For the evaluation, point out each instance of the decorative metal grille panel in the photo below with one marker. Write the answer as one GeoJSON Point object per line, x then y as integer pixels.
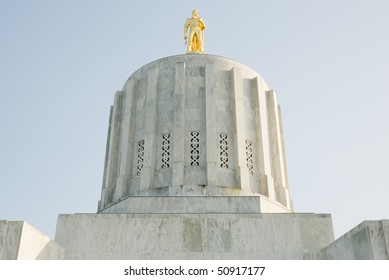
{"type": "Point", "coordinates": [165, 157]}
{"type": "Point", "coordinates": [223, 150]}
{"type": "Point", "coordinates": [249, 157]}
{"type": "Point", "coordinates": [195, 148]}
{"type": "Point", "coordinates": [140, 157]}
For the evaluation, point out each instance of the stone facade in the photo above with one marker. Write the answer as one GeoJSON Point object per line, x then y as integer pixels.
{"type": "Point", "coordinates": [21, 241]}
{"type": "Point", "coordinates": [195, 205]}
{"type": "Point", "coordinates": [195, 125]}
{"type": "Point", "coordinates": [367, 241]}
{"type": "Point", "coordinates": [194, 236]}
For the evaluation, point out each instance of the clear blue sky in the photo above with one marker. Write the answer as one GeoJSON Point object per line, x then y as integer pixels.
{"type": "Point", "coordinates": [62, 61]}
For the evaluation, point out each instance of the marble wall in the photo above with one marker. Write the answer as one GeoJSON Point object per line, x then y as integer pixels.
{"type": "Point", "coordinates": [21, 241]}
{"type": "Point", "coordinates": [193, 236]}
{"type": "Point", "coordinates": [367, 241]}
{"type": "Point", "coordinates": [195, 125]}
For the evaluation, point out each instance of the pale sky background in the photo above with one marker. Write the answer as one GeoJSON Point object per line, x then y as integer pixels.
{"type": "Point", "coordinates": [62, 61]}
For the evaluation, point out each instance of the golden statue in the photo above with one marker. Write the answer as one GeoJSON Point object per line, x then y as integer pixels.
{"type": "Point", "coordinates": [194, 33]}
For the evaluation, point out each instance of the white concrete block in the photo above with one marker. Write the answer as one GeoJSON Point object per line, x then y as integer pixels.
{"type": "Point", "coordinates": [364, 242]}
{"type": "Point", "coordinates": [21, 241]}
{"type": "Point", "coordinates": [192, 236]}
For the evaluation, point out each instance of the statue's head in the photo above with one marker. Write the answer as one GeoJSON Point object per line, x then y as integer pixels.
{"type": "Point", "coordinates": [195, 13]}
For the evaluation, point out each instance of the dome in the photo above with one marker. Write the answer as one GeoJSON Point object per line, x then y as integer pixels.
{"type": "Point", "coordinates": [187, 129]}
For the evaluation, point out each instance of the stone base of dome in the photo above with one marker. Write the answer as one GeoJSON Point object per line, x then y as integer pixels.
{"type": "Point", "coordinates": [195, 205]}
{"type": "Point", "coordinates": [194, 236]}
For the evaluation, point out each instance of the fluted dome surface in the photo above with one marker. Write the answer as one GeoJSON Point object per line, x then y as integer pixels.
{"type": "Point", "coordinates": [195, 126]}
